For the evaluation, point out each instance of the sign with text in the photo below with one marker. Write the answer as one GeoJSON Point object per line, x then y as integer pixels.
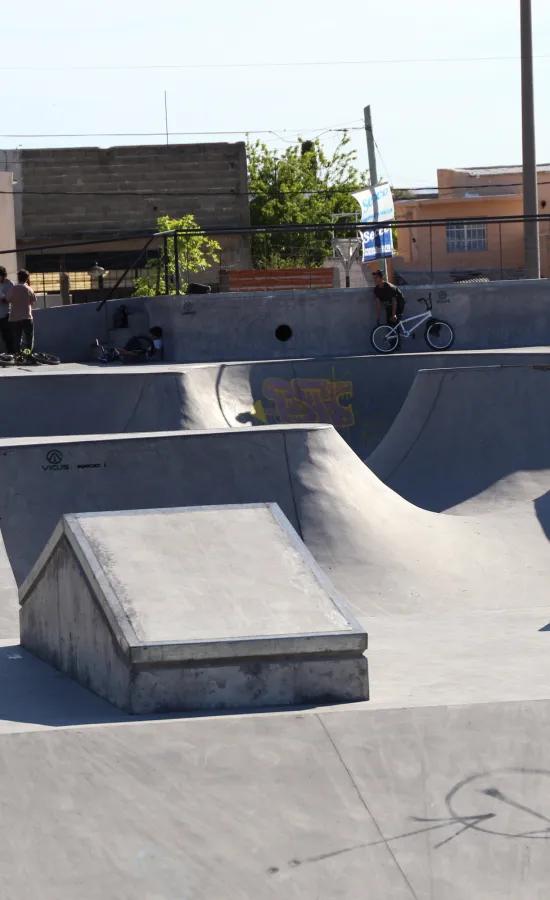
{"type": "Point", "coordinates": [377, 244]}
{"type": "Point", "coordinates": [376, 203]}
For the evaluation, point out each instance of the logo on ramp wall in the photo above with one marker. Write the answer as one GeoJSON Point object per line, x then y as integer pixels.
{"type": "Point", "coordinates": [306, 401]}
{"type": "Point", "coordinates": [54, 459]}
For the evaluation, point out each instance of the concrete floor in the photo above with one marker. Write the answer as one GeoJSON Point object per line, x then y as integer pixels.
{"type": "Point", "coordinates": [438, 789]}
{"type": "Point", "coordinates": [448, 803]}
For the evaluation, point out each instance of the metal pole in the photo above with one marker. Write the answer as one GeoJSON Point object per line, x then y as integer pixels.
{"type": "Point", "coordinates": [166, 116]}
{"type": "Point", "coordinates": [177, 263]}
{"type": "Point", "coordinates": [373, 170]}
{"type": "Point", "coordinates": [431, 255]}
{"type": "Point", "coordinates": [500, 244]}
{"type": "Point", "coordinates": [530, 186]}
{"type": "Point", "coordinates": [166, 269]}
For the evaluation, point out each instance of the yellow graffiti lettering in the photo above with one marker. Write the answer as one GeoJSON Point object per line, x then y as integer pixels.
{"type": "Point", "coordinates": [306, 400]}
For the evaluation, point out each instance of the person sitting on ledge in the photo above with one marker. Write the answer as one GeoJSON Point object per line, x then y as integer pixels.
{"type": "Point", "coordinates": [139, 349]}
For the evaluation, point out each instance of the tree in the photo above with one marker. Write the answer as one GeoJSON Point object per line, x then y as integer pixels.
{"type": "Point", "coordinates": [196, 253]}
{"type": "Point", "coordinates": [303, 185]}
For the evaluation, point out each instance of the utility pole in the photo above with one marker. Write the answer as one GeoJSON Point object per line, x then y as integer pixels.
{"type": "Point", "coordinates": [373, 171]}
{"type": "Point", "coordinates": [530, 184]}
{"type": "Point", "coordinates": [166, 116]}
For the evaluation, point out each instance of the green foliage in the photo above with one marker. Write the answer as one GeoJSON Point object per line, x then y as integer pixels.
{"type": "Point", "coordinates": [196, 253]}
{"type": "Point", "coordinates": [303, 185]}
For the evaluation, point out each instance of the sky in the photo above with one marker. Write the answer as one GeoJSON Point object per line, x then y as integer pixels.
{"type": "Point", "coordinates": [443, 82]}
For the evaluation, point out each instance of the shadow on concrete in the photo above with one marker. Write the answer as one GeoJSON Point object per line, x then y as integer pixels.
{"type": "Point", "coordinates": [542, 509]}
{"type": "Point", "coordinates": [37, 695]}
{"type": "Point", "coordinates": [248, 418]}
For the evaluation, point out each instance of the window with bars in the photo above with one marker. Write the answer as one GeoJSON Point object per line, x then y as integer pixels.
{"type": "Point", "coordinates": [463, 237]}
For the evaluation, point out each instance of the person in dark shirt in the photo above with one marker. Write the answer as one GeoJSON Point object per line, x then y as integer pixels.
{"type": "Point", "coordinates": [389, 295]}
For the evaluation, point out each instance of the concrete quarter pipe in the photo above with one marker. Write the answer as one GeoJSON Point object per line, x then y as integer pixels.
{"type": "Point", "coordinates": [471, 440]}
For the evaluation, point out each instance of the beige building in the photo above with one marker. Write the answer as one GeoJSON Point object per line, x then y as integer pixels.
{"type": "Point", "coordinates": [456, 249]}
{"type": "Point", "coordinates": [7, 224]}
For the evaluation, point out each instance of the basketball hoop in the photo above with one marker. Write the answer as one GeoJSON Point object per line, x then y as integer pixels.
{"type": "Point", "coordinates": [347, 250]}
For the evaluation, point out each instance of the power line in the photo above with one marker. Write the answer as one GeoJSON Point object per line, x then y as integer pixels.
{"type": "Point", "coordinates": [340, 189]}
{"type": "Point", "coordinates": [267, 65]}
{"type": "Point", "coordinates": [155, 194]}
{"type": "Point", "coordinates": [459, 187]}
{"type": "Point", "coordinates": [174, 134]}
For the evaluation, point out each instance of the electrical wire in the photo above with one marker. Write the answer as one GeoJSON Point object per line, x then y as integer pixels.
{"type": "Point", "coordinates": [382, 160]}
{"type": "Point", "coordinates": [267, 65]}
{"type": "Point", "coordinates": [340, 189]}
{"type": "Point", "coordinates": [172, 134]}
{"type": "Point", "coordinates": [153, 194]}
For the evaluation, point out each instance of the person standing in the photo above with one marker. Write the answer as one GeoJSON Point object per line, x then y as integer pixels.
{"type": "Point", "coordinates": [5, 328]}
{"type": "Point", "coordinates": [22, 299]}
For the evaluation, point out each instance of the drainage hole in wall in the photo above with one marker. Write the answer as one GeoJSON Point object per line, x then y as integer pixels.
{"type": "Point", "coordinates": [283, 333]}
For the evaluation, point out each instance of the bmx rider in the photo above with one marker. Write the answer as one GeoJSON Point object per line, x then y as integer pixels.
{"type": "Point", "coordinates": [389, 295]}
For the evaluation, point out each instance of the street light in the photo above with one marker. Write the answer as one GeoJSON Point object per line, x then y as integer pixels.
{"type": "Point", "coordinates": [98, 272]}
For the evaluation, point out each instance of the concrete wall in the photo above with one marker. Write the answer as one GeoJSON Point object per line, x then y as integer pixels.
{"type": "Point", "coordinates": [213, 176]}
{"type": "Point", "coordinates": [488, 181]}
{"type": "Point", "coordinates": [235, 327]}
{"type": "Point", "coordinates": [62, 624]}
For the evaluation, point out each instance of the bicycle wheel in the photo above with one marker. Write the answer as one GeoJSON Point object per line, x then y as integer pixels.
{"type": "Point", "coordinates": [26, 359]}
{"type": "Point", "coordinates": [46, 359]}
{"type": "Point", "coordinates": [384, 339]}
{"type": "Point", "coordinates": [439, 335]}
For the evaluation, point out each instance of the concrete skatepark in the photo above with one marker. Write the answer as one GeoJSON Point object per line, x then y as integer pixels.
{"type": "Point", "coordinates": [418, 485]}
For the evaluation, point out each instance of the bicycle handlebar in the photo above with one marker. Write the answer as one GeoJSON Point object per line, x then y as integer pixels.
{"type": "Point", "coordinates": [427, 302]}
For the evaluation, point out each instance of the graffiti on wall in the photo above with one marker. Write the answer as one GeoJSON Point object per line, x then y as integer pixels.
{"type": "Point", "coordinates": [305, 401]}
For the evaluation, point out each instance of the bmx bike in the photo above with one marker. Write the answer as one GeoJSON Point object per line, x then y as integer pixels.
{"type": "Point", "coordinates": [438, 334]}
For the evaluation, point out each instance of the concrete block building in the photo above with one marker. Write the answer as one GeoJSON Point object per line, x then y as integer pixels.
{"type": "Point", "coordinates": [70, 194]}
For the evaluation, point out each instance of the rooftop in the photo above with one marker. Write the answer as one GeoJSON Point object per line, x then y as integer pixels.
{"type": "Point", "coordinates": [480, 171]}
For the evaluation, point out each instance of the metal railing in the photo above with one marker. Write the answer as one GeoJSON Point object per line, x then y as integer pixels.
{"type": "Point", "coordinates": [291, 256]}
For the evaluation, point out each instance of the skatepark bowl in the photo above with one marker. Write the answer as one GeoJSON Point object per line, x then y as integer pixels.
{"type": "Point", "coordinates": [193, 557]}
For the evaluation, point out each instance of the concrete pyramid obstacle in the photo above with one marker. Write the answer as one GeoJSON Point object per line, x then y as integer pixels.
{"type": "Point", "coordinates": [192, 608]}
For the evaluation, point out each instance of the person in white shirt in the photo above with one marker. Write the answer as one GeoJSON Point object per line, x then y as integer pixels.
{"type": "Point", "coordinates": [156, 337]}
{"type": "Point", "coordinates": [138, 349]}
{"type": "Point", "coordinates": [5, 327]}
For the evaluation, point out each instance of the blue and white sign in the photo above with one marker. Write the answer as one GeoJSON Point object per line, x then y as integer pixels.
{"type": "Point", "coordinates": [377, 244]}
{"type": "Point", "coordinates": [376, 203]}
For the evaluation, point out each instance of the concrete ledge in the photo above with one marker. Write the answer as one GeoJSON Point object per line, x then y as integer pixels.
{"type": "Point", "coordinates": [195, 608]}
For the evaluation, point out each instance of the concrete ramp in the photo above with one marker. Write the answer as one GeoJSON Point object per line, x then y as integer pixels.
{"type": "Point", "coordinates": [472, 440]}
{"type": "Point", "coordinates": [383, 554]}
{"type": "Point", "coordinates": [360, 396]}
{"type": "Point", "coordinates": [185, 609]}
{"type": "Point", "coordinates": [88, 401]}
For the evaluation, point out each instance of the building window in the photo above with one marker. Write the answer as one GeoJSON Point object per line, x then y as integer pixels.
{"type": "Point", "coordinates": [463, 237]}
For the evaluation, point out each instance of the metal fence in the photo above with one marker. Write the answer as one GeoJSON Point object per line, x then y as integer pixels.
{"type": "Point", "coordinates": [426, 251]}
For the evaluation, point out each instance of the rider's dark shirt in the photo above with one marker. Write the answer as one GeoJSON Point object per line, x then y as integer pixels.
{"type": "Point", "coordinates": [385, 292]}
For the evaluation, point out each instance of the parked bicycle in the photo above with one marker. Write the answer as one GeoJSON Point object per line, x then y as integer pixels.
{"type": "Point", "coordinates": [438, 334]}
